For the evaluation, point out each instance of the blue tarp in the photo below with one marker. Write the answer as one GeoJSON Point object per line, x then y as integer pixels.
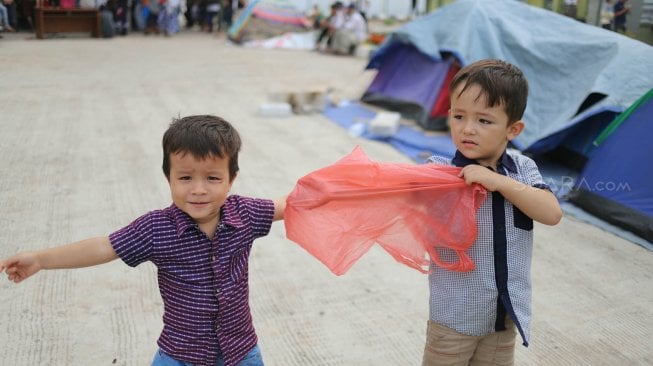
{"type": "Point", "coordinates": [564, 60]}
{"type": "Point", "coordinates": [411, 141]}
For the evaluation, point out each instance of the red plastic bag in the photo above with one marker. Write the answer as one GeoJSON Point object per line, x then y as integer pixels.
{"type": "Point", "coordinates": [338, 212]}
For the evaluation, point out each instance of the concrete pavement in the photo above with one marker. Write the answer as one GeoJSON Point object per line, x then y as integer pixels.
{"type": "Point", "coordinates": [81, 123]}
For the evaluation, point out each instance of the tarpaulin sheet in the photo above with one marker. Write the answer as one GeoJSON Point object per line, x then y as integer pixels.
{"type": "Point", "coordinates": [564, 60]}
{"type": "Point", "coordinates": [411, 141]}
{"type": "Point", "coordinates": [339, 212]}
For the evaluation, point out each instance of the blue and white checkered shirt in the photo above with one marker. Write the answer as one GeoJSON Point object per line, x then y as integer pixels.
{"type": "Point", "coordinates": [476, 303]}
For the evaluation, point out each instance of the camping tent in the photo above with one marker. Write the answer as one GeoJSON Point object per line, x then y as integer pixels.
{"type": "Point", "coordinates": [415, 85]}
{"type": "Point", "coordinates": [263, 19]}
{"type": "Point", "coordinates": [579, 75]}
{"type": "Point", "coordinates": [580, 78]}
{"type": "Point", "coordinates": [617, 184]}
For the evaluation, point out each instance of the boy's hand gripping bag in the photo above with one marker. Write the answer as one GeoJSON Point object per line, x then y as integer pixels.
{"type": "Point", "coordinates": [414, 212]}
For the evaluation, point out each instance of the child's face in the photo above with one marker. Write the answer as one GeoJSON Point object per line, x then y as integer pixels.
{"type": "Point", "coordinates": [480, 132]}
{"type": "Point", "coordinates": [200, 187]}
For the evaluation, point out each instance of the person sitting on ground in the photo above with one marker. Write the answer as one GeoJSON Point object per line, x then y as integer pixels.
{"type": "Point", "coordinates": [329, 25]}
{"type": "Point", "coordinates": [353, 31]}
{"type": "Point", "coordinates": [315, 17]}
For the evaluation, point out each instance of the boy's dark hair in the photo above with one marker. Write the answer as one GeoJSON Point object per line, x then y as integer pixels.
{"type": "Point", "coordinates": [501, 83]}
{"type": "Point", "coordinates": [203, 137]}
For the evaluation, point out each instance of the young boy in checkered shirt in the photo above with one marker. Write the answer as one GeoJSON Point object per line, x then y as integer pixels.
{"type": "Point", "coordinates": [475, 316]}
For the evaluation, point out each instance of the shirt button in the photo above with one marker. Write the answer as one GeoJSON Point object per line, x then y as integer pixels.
{"type": "Point", "coordinates": [213, 258]}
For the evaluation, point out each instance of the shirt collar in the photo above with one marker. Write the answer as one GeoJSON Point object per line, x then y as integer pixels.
{"type": "Point", "coordinates": [228, 217]}
{"type": "Point", "coordinates": [505, 160]}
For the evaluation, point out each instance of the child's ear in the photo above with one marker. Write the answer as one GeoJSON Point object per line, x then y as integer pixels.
{"type": "Point", "coordinates": [515, 129]}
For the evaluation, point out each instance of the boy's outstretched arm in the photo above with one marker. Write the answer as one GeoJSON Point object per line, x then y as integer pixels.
{"type": "Point", "coordinates": [279, 208]}
{"type": "Point", "coordinates": [539, 204]}
{"type": "Point", "coordinates": [83, 253]}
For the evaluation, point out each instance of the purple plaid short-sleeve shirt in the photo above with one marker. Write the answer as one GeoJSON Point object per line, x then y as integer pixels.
{"type": "Point", "coordinates": [203, 282]}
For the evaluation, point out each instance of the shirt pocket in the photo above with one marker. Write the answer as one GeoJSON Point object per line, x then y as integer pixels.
{"type": "Point", "coordinates": [521, 220]}
{"type": "Point", "coordinates": [238, 265]}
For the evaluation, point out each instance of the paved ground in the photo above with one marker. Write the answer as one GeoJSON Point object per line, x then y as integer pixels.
{"type": "Point", "coordinates": [81, 123]}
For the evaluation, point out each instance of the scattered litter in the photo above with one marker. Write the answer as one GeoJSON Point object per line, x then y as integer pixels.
{"type": "Point", "coordinates": [307, 102]}
{"type": "Point", "coordinates": [357, 129]}
{"type": "Point", "coordinates": [385, 124]}
{"type": "Point", "coordinates": [274, 110]}
{"type": "Point", "coordinates": [303, 102]}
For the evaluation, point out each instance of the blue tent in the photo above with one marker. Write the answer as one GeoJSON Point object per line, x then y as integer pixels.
{"type": "Point", "coordinates": [410, 82]}
{"type": "Point", "coordinates": [617, 183]}
{"type": "Point", "coordinates": [580, 76]}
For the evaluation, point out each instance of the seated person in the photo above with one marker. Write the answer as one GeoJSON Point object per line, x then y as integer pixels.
{"type": "Point", "coordinates": [315, 17]}
{"type": "Point", "coordinates": [329, 25]}
{"type": "Point", "coordinates": [351, 34]}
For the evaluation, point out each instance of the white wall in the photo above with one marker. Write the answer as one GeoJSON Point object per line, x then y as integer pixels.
{"type": "Point", "coordinates": [378, 8]}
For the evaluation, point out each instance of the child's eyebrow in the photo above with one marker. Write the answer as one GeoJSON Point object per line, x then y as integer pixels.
{"type": "Point", "coordinates": [216, 172]}
{"type": "Point", "coordinates": [182, 170]}
{"type": "Point", "coordinates": [488, 115]}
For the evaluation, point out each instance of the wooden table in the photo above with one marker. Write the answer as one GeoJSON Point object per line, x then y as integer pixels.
{"type": "Point", "coordinates": [58, 20]}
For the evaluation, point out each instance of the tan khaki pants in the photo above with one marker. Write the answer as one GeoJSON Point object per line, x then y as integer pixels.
{"type": "Point", "coordinates": [446, 347]}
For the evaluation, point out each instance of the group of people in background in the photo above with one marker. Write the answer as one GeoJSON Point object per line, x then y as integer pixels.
{"type": "Point", "coordinates": [119, 17]}
{"type": "Point", "coordinates": [162, 16]}
{"type": "Point", "coordinates": [206, 13]}
{"type": "Point", "coordinates": [343, 29]}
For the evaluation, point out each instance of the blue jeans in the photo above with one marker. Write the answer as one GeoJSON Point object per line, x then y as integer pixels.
{"type": "Point", "coordinates": [253, 358]}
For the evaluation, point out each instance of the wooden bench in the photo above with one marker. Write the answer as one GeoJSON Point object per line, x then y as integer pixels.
{"type": "Point", "coordinates": [58, 20]}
